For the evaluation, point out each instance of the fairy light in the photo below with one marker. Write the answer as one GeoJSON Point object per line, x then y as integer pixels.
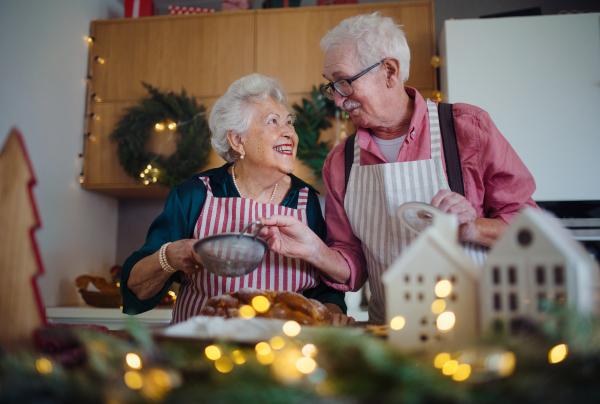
{"type": "Point", "coordinates": [309, 350]}
{"type": "Point", "coordinates": [450, 367]}
{"type": "Point", "coordinates": [443, 288]}
{"type": "Point", "coordinates": [558, 353]}
{"type": "Point", "coordinates": [224, 364]}
{"type": "Point", "coordinates": [212, 352]}
{"type": "Point", "coordinates": [150, 174]}
{"type": "Point", "coordinates": [262, 348]}
{"type": "Point", "coordinates": [159, 127]}
{"type": "Point", "coordinates": [247, 312]}
{"type": "Point", "coordinates": [265, 359]}
{"type": "Point", "coordinates": [438, 306]}
{"type": "Point", "coordinates": [81, 178]}
{"type": "Point", "coordinates": [238, 357]}
{"type": "Point", "coordinates": [441, 359]}
{"type": "Point", "coordinates": [445, 321]}
{"type": "Point", "coordinates": [261, 304]}
{"type": "Point", "coordinates": [291, 328]}
{"type": "Point", "coordinates": [133, 361]}
{"type": "Point", "coordinates": [99, 60]}
{"type": "Point", "coordinates": [44, 366]}
{"type": "Point", "coordinates": [397, 323]}
{"type": "Point", "coordinates": [306, 365]}
{"type": "Point", "coordinates": [501, 363]}
{"type": "Point", "coordinates": [277, 342]}
{"type": "Point", "coordinates": [133, 380]}
{"type": "Point", "coordinates": [462, 373]}
{"type": "Point", "coordinates": [172, 126]}
{"type": "Point", "coordinates": [95, 97]}
{"type": "Point", "coordinates": [89, 39]}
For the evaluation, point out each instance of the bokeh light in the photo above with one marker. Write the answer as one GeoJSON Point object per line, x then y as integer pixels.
{"type": "Point", "coordinates": [44, 366]}
{"type": "Point", "coordinates": [277, 342]}
{"type": "Point", "coordinates": [450, 367]}
{"type": "Point", "coordinates": [261, 304]}
{"type": "Point", "coordinates": [309, 350]}
{"type": "Point", "coordinates": [397, 323]}
{"type": "Point", "coordinates": [445, 321]}
{"type": "Point", "coordinates": [306, 365]}
{"type": "Point", "coordinates": [238, 357]}
{"type": "Point", "coordinates": [265, 359]}
{"type": "Point", "coordinates": [558, 353]}
{"type": "Point", "coordinates": [443, 288]}
{"type": "Point", "coordinates": [291, 328]}
{"type": "Point", "coordinates": [441, 359]}
{"type": "Point", "coordinates": [438, 306]}
{"type": "Point", "coordinates": [262, 348]}
{"type": "Point", "coordinates": [246, 312]}
{"type": "Point", "coordinates": [463, 372]}
{"type": "Point", "coordinates": [133, 361]}
{"type": "Point", "coordinates": [160, 378]}
{"type": "Point", "coordinates": [133, 380]}
{"type": "Point", "coordinates": [224, 364]}
{"type": "Point", "coordinates": [212, 352]}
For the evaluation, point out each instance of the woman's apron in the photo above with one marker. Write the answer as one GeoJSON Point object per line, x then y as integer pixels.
{"type": "Point", "coordinates": [373, 196]}
{"type": "Point", "coordinates": [276, 272]}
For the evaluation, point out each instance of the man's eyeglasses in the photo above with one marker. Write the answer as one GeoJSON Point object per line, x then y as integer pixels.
{"type": "Point", "coordinates": [344, 86]}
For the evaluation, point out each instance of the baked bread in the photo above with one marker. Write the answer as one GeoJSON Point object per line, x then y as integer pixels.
{"type": "Point", "coordinates": [283, 305]}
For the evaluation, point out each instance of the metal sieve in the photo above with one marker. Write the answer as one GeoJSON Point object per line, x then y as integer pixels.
{"type": "Point", "coordinates": [231, 254]}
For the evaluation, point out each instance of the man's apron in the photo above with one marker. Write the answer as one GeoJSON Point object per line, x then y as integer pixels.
{"type": "Point", "coordinates": [276, 272]}
{"type": "Point", "coordinates": [373, 196]}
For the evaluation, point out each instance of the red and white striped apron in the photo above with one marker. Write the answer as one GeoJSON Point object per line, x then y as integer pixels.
{"type": "Point", "coordinates": [276, 272]}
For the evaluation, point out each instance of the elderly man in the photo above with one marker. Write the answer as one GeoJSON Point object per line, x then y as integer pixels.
{"type": "Point", "coordinates": [396, 156]}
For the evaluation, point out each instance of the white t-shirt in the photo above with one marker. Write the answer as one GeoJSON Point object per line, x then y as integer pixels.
{"type": "Point", "coordinates": [389, 148]}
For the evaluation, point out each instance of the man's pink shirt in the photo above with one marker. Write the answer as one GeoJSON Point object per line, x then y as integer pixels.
{"type": "Point", "coordinates": [496, 181]}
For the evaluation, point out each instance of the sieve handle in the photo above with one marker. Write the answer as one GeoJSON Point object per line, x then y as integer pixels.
{"type": "Point", "coordinates": [256, 222]}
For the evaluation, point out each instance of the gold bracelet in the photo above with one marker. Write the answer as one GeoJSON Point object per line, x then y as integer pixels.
{"type": "Point", "coordinates": [162, 258]}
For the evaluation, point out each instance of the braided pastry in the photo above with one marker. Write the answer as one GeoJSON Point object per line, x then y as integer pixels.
{"type": "Point", "coordinates": [283, 305]}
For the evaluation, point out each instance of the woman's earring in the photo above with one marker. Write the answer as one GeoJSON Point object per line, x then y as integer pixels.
{"type": "Point", "coordinates": [242, 157]}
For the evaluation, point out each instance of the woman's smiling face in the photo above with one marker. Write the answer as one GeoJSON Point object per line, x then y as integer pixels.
{"type": "Point", "coordinates": [271, 141]}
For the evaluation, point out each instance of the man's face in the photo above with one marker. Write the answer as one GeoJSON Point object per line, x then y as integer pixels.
{"type": "Point", "coordinates": [366, 105]}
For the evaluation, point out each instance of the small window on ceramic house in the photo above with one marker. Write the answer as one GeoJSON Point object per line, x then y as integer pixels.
{"type": "Point", "coordinates": [512, 275]}
{"type": "Point", "coordinates": [496, 276]}
{"type": "Point", "coordinates": [559, 275]}
{"type": "Point", "coordinates": [497, 302]}
{"type": "Point", "coordinates": [540, 275]}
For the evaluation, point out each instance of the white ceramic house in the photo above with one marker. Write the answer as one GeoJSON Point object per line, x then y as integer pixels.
{"type": "Point", "coordinates": [410, 289]}
{"type": "Point", "coordinates": [534, 261]}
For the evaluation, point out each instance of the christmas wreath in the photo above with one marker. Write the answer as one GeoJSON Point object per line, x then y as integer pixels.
{"type": "Point", "coordinates": [311, 119]}
{"type": "Point", "coordinates": [163, 111]}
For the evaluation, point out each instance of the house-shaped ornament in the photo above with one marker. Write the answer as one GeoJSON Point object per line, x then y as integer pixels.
{"type": "Point", "coordinates": [432, 291]}
{"type": "Point", "coordinates": [536, 260]}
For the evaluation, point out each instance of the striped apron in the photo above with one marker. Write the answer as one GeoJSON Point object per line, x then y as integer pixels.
{"type": "Point", "coordinates": [373, 196]}
{"type": "Point", "coordinates": [276, 272]}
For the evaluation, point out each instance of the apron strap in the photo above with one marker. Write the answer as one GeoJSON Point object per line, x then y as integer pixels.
{"type": "Point", "coordinates": [302, 198]}
{"type": "Point", "coordinates": [453, 165]}
{"type": "Point", "coordinates": [349, 157]}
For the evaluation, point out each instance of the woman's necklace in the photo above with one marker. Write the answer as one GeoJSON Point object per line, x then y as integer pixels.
{"type": "Point", "coordinates": [238, 189]}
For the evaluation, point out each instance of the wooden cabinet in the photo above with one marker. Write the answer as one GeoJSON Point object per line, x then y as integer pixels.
{"type": "Point", "coordinates": [205, 53]}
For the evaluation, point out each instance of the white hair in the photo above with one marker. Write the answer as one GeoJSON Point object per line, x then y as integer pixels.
{"type": "Point", "coordinates": [375, 37]}
{"type": "Point", "coordinates": [234, 110]}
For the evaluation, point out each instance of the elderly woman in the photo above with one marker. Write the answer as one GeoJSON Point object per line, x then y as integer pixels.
{"type": "Point", "coordinates": [252, 129]}
{"type": "Point", "coordinates": [396, 156]}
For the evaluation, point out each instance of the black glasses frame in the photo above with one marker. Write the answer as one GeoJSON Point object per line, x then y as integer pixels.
{"type": "Point", "coordinates": [326, 88]}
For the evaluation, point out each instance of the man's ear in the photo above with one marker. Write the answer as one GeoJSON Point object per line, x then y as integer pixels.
{"type": "Point", "coordinates": [392, 72]}
{"type": "Point", "coordinates": [236, 142]}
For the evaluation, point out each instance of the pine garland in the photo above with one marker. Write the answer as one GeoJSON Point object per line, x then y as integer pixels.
{"type": "Point", "coordinates": [133, 132]}
{"type": "Point", "coordinates": [311, 119]}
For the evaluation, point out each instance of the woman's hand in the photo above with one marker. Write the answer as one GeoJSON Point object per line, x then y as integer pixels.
{"type": "Point", "coordinates": [288, 236]}
{"type": "Point", "coordinates": [338, 318]}
{"type": "Point", "coordinates": [456, 204]}
{"type": "Point", "coordinates": [181, 256]}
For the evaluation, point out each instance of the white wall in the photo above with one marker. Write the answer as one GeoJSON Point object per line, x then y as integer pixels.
{"type": "Point", "coordinates": [43, 60]}
{"type": "Point", "coordinates": [539, 79]}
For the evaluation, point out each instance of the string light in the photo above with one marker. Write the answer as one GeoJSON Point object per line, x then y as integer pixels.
{"type": "Point", "coordinates": [445, 321]}
{"type": "Point", "coordinates": [212, 352]}
{"type": "Point", "coordinates": [133, 361]}
{"type": "Point", "coordinates": [150, 174]}
{"type": "Point", "coordinates": [262, 348]}
{"type": "Point", "coordinates": [441, 359]}
{"type": "Point", "coordinates": [246, 312]}
{"type": "Point", "coordinates": [44, 366]}
{"type": "Point", "coordinates": [443, 289]}
{"type": "Point", "coordinates": [95, 97]}
{"type": "Point", "coordinates": [81, 178]}
{"type": "Point", "coordinates": [172, 126]}
{"type": "Point", "coordinates": [133, 380]}
{"type": "Point", "coordinates": [90, 136]}
{"type": "Point", "coordinates": [291, 328]}
{"type": "Point", "coordinates": [265, 359]}
{"type": "Point", "coordinates": [558, 353]}
{"type": "Point", "coordinates": [306, 365]}
{"type": "Point", "coordinates": [261, 304]}
{"type": "Point", "coordinates": [309, 350]}
{"type": "Point", "coordinates": [450, 367]}
{"type": "Point", "coordinates": [463, 371]}
{"type": "Point", "coordinates": [89, 39]}
{"type": "Point", "coordinates": [99, 60]}
{"type": "Point", "coordinates": [397, 323]}
{"type": "Point", "coordinates": [438, 306]}
{"type": "Point", "coordinates": [224, 364]}
{"type": "Point", "coordinates": [277, 342]}
{"type": "Point", "coordinates": [87, 79]}
{"type": "Point", "coordinates": [159, 127]}
{"type": "Point", "coordinates": [94, 116]}
{"type": "Point", "coordinates": [238, 357]}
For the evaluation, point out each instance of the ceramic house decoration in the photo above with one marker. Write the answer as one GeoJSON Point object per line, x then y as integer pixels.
{"type": "Point", "coordinates": [431, 291]}
{"type": "Point", "coordinates": [536, 260]}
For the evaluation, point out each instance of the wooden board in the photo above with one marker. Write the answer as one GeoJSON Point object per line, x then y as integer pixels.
{"type": "Point", "coordinates": [21, 308]}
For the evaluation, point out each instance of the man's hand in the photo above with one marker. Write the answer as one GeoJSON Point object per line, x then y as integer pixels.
{"type": "Point", "coordinates": [338, 318]}
{"type": "Point", "coordinates": [456, 204]}
{"type": "Point", "coordinates": [288, 236]}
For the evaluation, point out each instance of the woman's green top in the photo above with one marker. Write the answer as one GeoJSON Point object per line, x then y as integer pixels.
{"type": "Point", "coordinates": [178, 221]}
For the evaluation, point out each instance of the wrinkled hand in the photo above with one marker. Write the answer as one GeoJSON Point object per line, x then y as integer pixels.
{"type": "Point", "coordinates": [181, 256]}
{"type": "Point", "coordinates": [288, 236]}
{"type": "Point", "coordinates": [456, 204]}
{"type": "Point", "coordinates": [338, 319]}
